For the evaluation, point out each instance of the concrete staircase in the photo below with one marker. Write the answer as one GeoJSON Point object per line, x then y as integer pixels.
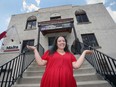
{"type": "Point", "coordinates": [85, 76]}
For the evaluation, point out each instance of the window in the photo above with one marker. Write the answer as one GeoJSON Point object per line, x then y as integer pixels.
{"type": "Point", "coordinates": [55, 18]}
{"type": "Point", "coordinates": [50, 41]}
{"type": "Point", "coordinates": [27, 42]}
{"type": "Point", "coordinates": [31, 23]}
{"type": "Point", "coordinates": [81, 16]}
{"type": "Point", "coordinates": [90, 40]}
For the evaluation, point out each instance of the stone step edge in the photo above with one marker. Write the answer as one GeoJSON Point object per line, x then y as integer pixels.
{"type": "Point", "coordinates": [78, 83]}
{"type": "Point", "coordinates": [35, 63]}
{"type": "Point", "coordinates": [44, 70]}
{"type": "Point", "coordinates": [88, 74]}
{"type": "Point", "coordinates": [88, 67]}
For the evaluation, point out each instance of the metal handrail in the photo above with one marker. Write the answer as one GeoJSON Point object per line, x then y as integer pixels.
{"type": "Point", "coordinates": [13, 70]}
{"type": "Point", "coordinates": [103, 64]}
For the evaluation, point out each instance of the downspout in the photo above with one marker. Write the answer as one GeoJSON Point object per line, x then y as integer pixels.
{"type": "Point", "coordinates": [76, 46]}
{"type": "Point", "coordinates": [38, 42]}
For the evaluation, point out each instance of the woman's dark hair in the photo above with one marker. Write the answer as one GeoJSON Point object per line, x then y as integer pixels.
{"type": "Point", "coordinates": [54, 46]}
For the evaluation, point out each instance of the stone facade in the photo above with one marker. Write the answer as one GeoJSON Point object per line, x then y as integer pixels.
{"type": "Point", "coordinates": [100, 24]}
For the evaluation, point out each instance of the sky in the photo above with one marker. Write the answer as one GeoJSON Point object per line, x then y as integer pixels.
{"type": "Point", "coordinates": [11, 7]}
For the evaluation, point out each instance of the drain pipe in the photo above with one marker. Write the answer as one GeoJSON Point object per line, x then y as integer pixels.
{"type": "Point", "coordinates": [76, 46]}
{"type": "Point", "coordinates": [38, 42]}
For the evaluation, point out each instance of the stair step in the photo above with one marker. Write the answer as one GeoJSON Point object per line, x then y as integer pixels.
{"type": "Point", "coordinates": [85, 76]}
{"type": "Point", "coordinates": [42, 67]}
{"type": "Point", "coordinates": [35, 68]}
{"type": "Point", "coordinates": [78, 77]}
{"type": "Point", "coordinates": [79, 84]}
{"type": "Point", "coordinates": [76, 71]}
{"type": "Point", "coordinates": [94, 84]}
{"type": "Point", "coordinates": [34, 63]}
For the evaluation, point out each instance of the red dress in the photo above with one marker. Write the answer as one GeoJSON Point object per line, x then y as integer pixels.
{"type": "Point", "coordinates": [59, 70]}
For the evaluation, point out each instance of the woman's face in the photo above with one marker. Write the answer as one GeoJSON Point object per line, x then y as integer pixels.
{"type": "Point", "coordinates": [61, 43]}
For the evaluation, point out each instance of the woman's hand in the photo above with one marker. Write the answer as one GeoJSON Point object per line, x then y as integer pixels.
{"type": "Point", "coordinates": [31, 47]}
{"type": "Point", "coordinates": [88, 51]}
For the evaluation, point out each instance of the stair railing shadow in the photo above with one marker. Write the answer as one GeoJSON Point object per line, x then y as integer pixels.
{"type": "Point", "coordinates": [13, 70]}
{"type": "Point", "coordinates": [103, 64]}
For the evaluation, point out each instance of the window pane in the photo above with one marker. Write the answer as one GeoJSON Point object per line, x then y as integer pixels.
{"type": "Point", "coordinates": [85, 40]}
{"type": "Point", "coordinates": [31, 24]}
{"type": "Point", "coordinates": [84, 18]}
{"type": "Point", "coordinates": [90, 39]}
{"type": "Point", "coordinates": [79, 18]}
{"type": "Point", "coordinates": [50, 40]}
{"type": "Point", "coordinates": [28, 25]}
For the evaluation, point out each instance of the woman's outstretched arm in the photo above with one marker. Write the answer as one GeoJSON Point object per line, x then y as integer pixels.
{"type": "Point", "coordinates": [37, 56]}
{"type": "Point", "coordinates": [81, 59]}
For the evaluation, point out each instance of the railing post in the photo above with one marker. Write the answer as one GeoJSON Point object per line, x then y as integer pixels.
{"type": "Point", "coordinates": [13, 70]}
{"type": "Point", "coordinates": [23, 63]}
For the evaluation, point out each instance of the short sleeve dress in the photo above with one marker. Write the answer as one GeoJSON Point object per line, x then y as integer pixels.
{"type": "Point", "coordinates": [59, 70]}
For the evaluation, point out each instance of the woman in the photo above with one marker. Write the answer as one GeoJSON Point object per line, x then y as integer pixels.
{"type": "Point", "coordinates": [59, 64]}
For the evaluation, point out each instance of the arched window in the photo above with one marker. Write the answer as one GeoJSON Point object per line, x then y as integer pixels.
{"type": "Point", "coordinates": [55, 16]}
{"type": "Point", "coordinates": [81, 16]}
{"type": "Point", "coordinates": [31, 22]}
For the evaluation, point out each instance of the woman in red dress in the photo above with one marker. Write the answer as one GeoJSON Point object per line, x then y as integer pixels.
{"type": "Point", "coordinates": [59, 64]}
